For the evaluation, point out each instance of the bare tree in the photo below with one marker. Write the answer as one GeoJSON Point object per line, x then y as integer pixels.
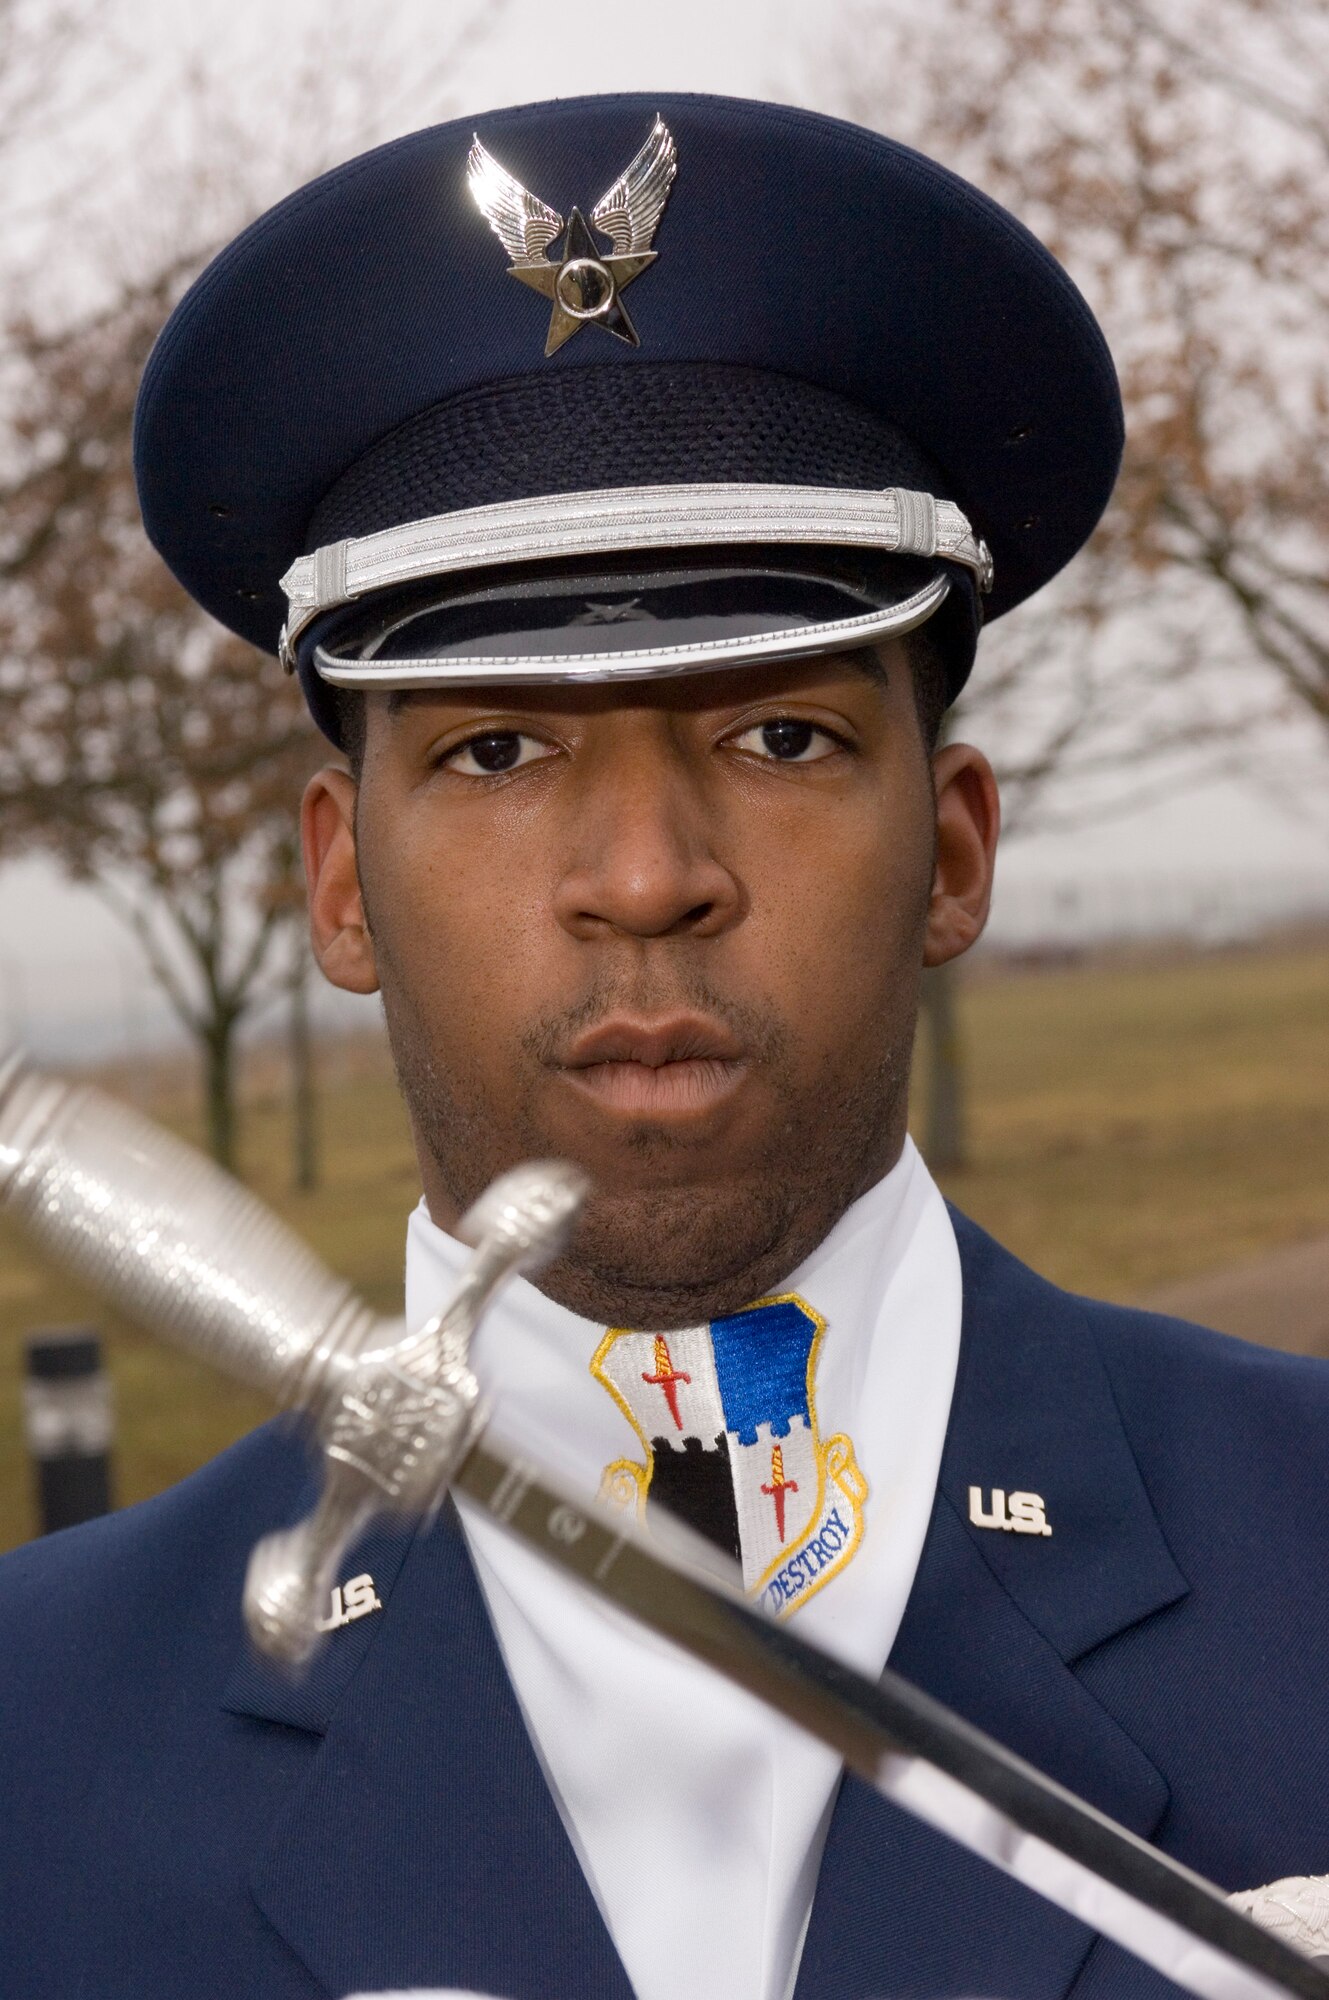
{"type": "Point", "coordinates": [38, 84]}
{"type": "Point", "coordinates": [1177, 160]}
{"type": "Point", "coordinates": [1175, 156]}
{"type": "Point", "coordinates": [155, 757]}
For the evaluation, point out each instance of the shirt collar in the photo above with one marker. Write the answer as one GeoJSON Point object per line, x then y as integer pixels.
{"type": "Point", "coordinates": [532, 1356]}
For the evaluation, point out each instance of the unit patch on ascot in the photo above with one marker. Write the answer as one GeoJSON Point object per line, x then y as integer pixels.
{"type": "Point", "coordinates": [729, 1412]}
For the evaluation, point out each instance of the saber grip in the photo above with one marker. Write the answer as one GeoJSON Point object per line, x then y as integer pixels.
{"type": "Point", "coordinates": [191, 1255]}
{"type": "Point", "coordinates": [175, 1243]}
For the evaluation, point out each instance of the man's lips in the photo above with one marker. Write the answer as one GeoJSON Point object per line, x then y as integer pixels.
{"type": "Point", "coordinates": [653, 1042]}
{"type": "Point", "coordinates": [675, 1065]}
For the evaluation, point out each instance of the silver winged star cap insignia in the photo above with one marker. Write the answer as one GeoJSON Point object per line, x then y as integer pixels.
{"type": "Point", "coordinates": [583, 283]}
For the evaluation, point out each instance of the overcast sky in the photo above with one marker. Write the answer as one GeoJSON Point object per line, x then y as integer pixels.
{"type": "Point", "coordinates": [62, 959]}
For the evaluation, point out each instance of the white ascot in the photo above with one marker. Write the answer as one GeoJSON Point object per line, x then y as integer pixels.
{"type": "Point", "coordinates": [698, 1815]}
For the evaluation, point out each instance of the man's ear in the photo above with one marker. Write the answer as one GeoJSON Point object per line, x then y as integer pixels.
{"type": "Point", "coordinates": [968, 820]}
{"type": "Point", "coordinates": [337, 928]}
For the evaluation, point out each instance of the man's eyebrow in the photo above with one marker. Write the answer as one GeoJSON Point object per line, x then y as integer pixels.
{"type": "Point", "coordinates": [400, 698]}
{"type": "Point", "coordinates": [867, 660]}
{"type": "Point", "coordinates": [480, 693]}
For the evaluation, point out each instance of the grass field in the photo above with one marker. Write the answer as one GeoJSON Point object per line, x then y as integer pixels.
{"type": "Point", "coordinates": [1132, 1122]}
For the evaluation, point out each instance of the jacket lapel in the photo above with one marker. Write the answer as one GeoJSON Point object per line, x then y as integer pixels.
{"type": "Point", "coordinates": [423, 1846]}
{"type": "Point", "coordinates": [993, 1621]}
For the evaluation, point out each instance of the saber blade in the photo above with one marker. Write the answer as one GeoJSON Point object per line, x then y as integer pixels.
{"type": "Point", "coordinates": [913, 1751]}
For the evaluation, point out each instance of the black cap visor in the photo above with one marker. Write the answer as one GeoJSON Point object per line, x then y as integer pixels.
{"type": "Point", "coordinates": [629, 617]}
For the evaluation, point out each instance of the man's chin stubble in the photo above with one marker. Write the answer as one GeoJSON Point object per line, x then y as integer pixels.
{"type": "Point", "coordinates": [681, 1256]}
{"type": "Point", "coordinates": [668, 1256]}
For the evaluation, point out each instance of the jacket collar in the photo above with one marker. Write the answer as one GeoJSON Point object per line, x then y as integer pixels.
{"type": "Point", "coordinates": [423, 1847]}
{"type": "Point", "coordinates": [993, 1621]}
{"type": "Point", "coordinates": [1034, 1412]}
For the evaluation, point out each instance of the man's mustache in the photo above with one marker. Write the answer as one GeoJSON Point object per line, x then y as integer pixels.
{"type": "Point", "coordinates": [759, 1030]}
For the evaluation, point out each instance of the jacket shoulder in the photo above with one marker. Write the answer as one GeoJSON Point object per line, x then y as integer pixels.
{"type": "Point", "coordinates": [1226, 1434]}
{"type": "Point", "coordinates": [103, 1590]}
{"type": "Point", "coordinates": [1244, 1428]}
{"type": "Point", "coordinates": [1153, 1349]}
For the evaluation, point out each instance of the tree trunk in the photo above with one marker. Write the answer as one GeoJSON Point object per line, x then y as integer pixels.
{"type": "Point", "coordinates": [304, 1103]}
{"type": "Point", "coordinates": [945, 1141]}
{"type": "Point", "coordinates": [219, 1084]}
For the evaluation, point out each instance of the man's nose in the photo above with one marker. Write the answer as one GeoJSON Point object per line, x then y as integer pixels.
{"type": "Point", "coordinates": [642, 851]}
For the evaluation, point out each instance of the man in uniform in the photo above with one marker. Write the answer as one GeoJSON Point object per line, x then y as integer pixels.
{"type": "Point", "coordinates": [628, 480]}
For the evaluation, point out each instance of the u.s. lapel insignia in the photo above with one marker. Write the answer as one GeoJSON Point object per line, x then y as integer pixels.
{"type": "Point", "coordinates": [583, 283]}
{"type": "Point", "coordinates": [1018, 1513]}
{"type": "Point", "coordinates": [727, 1417]}
{"type": "Point", "coordinates": [351, 1600]}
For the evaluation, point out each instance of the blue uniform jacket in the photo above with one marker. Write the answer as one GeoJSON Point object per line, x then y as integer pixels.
{"type": "Point", "coordinates": [176, 1820]}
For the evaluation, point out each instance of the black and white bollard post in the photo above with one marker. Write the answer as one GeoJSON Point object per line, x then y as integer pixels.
{"type": "Point", "coordinates": [68, 1420]}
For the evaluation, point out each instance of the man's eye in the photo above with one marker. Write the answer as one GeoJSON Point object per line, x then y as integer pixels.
{"type": "Point", "coordinates": [787, 741]}
{"type": "Point", "coordinates": [494, 751]}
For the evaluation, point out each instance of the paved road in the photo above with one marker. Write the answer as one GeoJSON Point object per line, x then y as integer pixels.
{"type": "Point", "coordinates": [1280, 1299]}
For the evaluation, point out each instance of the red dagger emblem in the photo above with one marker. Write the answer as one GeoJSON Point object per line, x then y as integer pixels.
{"type": "Point", "coordinates": [778, 1487]}
{"type": "Point", "coordinates": [667, 1377]}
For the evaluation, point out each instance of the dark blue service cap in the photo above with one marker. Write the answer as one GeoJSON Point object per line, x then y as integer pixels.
{"type": "Point", "coordinates": [765, 384]}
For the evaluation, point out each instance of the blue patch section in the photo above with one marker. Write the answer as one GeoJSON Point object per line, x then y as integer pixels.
{"type": "Point", "coordinates": [761, 1361]}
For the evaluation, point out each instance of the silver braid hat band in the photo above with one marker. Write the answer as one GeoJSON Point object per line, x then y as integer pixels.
{"type": "Point", "coordinates": [613, 521]}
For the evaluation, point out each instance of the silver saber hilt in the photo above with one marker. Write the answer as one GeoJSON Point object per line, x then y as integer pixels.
{"type": "Point", "coordinates": [184, 1250]}
{"type": "Point", "coordinates": [396, 1421]}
